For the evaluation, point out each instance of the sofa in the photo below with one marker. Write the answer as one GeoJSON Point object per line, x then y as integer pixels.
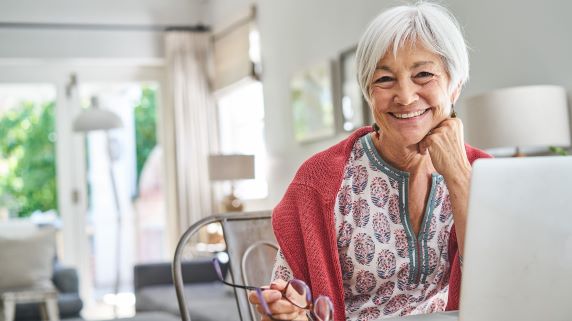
{"type": "Point", "coordinates": [70, 304]}
{"type": "Point", "coordinates": [207, 298]}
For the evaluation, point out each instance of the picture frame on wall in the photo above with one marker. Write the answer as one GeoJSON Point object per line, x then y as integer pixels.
{"type": "Point", "coordinates": [354, 110]}
{"type": "Point", "coordinates": [311, 92]}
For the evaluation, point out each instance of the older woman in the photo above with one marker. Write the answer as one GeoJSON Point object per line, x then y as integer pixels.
{"type": "Point", "coordinates": [377, 221]}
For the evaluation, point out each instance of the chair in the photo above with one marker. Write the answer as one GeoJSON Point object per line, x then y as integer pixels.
{"type": "Point", "coordinates": [46, 296]}
{"type": "Point", "coordinates": [251, 247]}
{"type": "Point", "coordinates": [40, 288]}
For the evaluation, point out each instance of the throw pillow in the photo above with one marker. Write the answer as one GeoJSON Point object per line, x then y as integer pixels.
{"type": "Point", "coordinates": [17, 228]}
{"type": "Point", "coordinates": [27, 262]}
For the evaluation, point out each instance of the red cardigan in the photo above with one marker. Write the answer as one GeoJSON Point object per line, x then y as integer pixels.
{"type": "Point", "coordinates": [303, 223]}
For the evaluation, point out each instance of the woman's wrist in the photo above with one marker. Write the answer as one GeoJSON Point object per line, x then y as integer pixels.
{"type": "Point", "coordinates": [460, 178]}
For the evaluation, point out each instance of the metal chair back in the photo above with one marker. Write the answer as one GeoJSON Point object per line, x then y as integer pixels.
{"type": "Point", "coordinates": [251, 247]}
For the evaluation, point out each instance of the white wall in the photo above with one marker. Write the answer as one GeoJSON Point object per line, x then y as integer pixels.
{"type": "Point", "coordinates": [65, 44]}
{"type": "Point", "coordinates": [23, 45]}
{"type": "Point", "coordinates": [513, 43]}
{"type": "Point", "coordinates": [517, 42]}
{"type": "Point", "coordinates": [102, 11]}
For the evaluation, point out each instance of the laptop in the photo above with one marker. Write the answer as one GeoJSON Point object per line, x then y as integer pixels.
{"type": "Point", "coordinates": [518, 247]}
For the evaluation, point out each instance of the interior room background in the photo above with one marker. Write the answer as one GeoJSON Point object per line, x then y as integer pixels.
{"type": "Point", "coordinates": [513, 43]}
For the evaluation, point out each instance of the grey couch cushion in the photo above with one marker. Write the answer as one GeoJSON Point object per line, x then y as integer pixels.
{"type": "Point", "coordinates": [208, 301]}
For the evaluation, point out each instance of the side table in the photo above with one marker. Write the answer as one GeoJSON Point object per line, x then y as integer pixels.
{"type": "Point", "coordinates": [47, 296]}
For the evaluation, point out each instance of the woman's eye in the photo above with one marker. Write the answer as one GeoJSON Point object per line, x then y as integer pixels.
{"type": "Point", "coordinates": [424, 74]}
{"type": "Point", "coordinates": [423, 77]}
{"type": "Point", "coordinates": [384, 79]}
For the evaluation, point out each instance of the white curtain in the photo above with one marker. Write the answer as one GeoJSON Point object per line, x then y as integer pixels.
{"type": "Point", "coordinates": [190, 121]}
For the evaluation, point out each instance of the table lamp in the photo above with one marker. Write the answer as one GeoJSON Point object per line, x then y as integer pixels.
{"type": "Point", "coordinates": [231, 168]}
{"type": "Point", "coordinates": [94, 119]}
{"type": "Point", "coordinates": [529, 116]}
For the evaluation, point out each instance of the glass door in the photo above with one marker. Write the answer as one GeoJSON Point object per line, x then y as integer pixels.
{"type": "Point", "coordinates": [134, 229]}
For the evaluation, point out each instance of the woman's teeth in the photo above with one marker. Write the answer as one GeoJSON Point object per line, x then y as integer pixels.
{"type": "Point", "coordinates": [410, 115]}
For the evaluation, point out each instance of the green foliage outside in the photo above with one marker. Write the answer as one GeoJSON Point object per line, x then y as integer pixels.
{"type": "Point", "coordinates": [27, 156]}
{"type": "Point", "coordinates": [27, 153]}
{"type": "Point", "coordinates": [558, 151]}
{"type": "Point", "coordinates": [145, 127]}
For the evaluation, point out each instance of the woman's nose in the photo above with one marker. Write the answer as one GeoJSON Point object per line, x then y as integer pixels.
{"type": "Point", "coordinates": [406, 93]}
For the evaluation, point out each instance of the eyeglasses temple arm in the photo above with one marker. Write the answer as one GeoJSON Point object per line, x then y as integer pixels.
{"type": "Point", "coordinates": [246, 287]}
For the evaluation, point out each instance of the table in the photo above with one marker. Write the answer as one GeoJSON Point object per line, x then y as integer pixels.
{"type": "Point", "coordinates": [440, 316]}
{"type": "Point", "coordinates": [46, 295]}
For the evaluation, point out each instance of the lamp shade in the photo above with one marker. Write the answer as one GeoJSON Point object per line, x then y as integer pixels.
{"type": "Point", "coordinates": [96, 119]}
{"type": "Point", "coordinates": [530, 116]}
{"type": "Point", "coordinates": [231, 167]}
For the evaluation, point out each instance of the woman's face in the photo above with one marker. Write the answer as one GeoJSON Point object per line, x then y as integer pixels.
{"type": "Point", "coordinates": [409, 94]}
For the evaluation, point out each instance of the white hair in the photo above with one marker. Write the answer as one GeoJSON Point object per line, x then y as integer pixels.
{"type": "Point", "coordinates": [430, 23]}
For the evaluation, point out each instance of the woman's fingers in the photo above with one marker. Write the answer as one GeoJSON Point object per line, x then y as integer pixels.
{"type": "Point", "coordinates": [288, 316]}
{"type": "Point", "coordinates": [282, 306]}
{"type": "Point", "coordinates": [298, 318]}
{"type": "Point", "coordinates": [284, 311]}
{"type": "Point", "coordinates": [445, 145]}
{"type": "Point", "coordinates": [280, 313]}
{"type": "Point", "coordinates": [268, 295]}
{"type": "Point", "coordinates": [274, 309]}
{"type": "Point", "coordinates": [279, 307]}
{"type": "Point", "coordinates": [278, 284]}
{"type": "Point", "coordinates": [252, 297]}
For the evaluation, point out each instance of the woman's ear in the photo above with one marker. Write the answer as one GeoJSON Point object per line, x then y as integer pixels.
{"type": "Point", "coordinates": [455, 94]}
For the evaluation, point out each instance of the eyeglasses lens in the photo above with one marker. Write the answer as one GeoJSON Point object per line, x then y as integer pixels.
{"type": "Point", "coordinates": [323, 309]}
{"type": "Point", "coordinates": [297, 292]}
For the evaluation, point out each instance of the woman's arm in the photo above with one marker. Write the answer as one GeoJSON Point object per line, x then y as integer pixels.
{"type": "Point", "coordinates": [458, 186]}
{"type": "Point", "coordinates": [446, 147]}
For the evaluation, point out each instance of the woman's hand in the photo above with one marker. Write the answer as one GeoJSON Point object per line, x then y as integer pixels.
{"type": "Point", "coordinates": [446, 147]}
{"type": "Point", "coordinates": [280, 308]}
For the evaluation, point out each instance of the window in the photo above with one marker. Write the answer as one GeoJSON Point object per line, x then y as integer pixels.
{"type": "Point", "coordinates": [241, 131]}
{"type": "Point", "coordinates": [27, 151]}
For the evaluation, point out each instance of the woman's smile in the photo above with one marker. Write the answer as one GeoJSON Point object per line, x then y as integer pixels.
{"type": "Point", "coordinates": [409, 115]}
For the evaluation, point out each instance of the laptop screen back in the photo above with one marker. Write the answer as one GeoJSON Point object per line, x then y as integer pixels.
{"type": "Point", "coordinates": [518, 247]}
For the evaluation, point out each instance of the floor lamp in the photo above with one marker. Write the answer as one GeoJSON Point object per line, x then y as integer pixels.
{"type": "Point", "coordinates": [94, 119]}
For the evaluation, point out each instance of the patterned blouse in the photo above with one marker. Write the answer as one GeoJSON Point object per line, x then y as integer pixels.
{"type": "Point", "coordinates": [387, 270]}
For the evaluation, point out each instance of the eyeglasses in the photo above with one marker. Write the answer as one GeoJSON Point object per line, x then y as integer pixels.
{"type": "Point", "coordinates": [321, 309]}
{"type": "Point", "coordinates": [296, 292]}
